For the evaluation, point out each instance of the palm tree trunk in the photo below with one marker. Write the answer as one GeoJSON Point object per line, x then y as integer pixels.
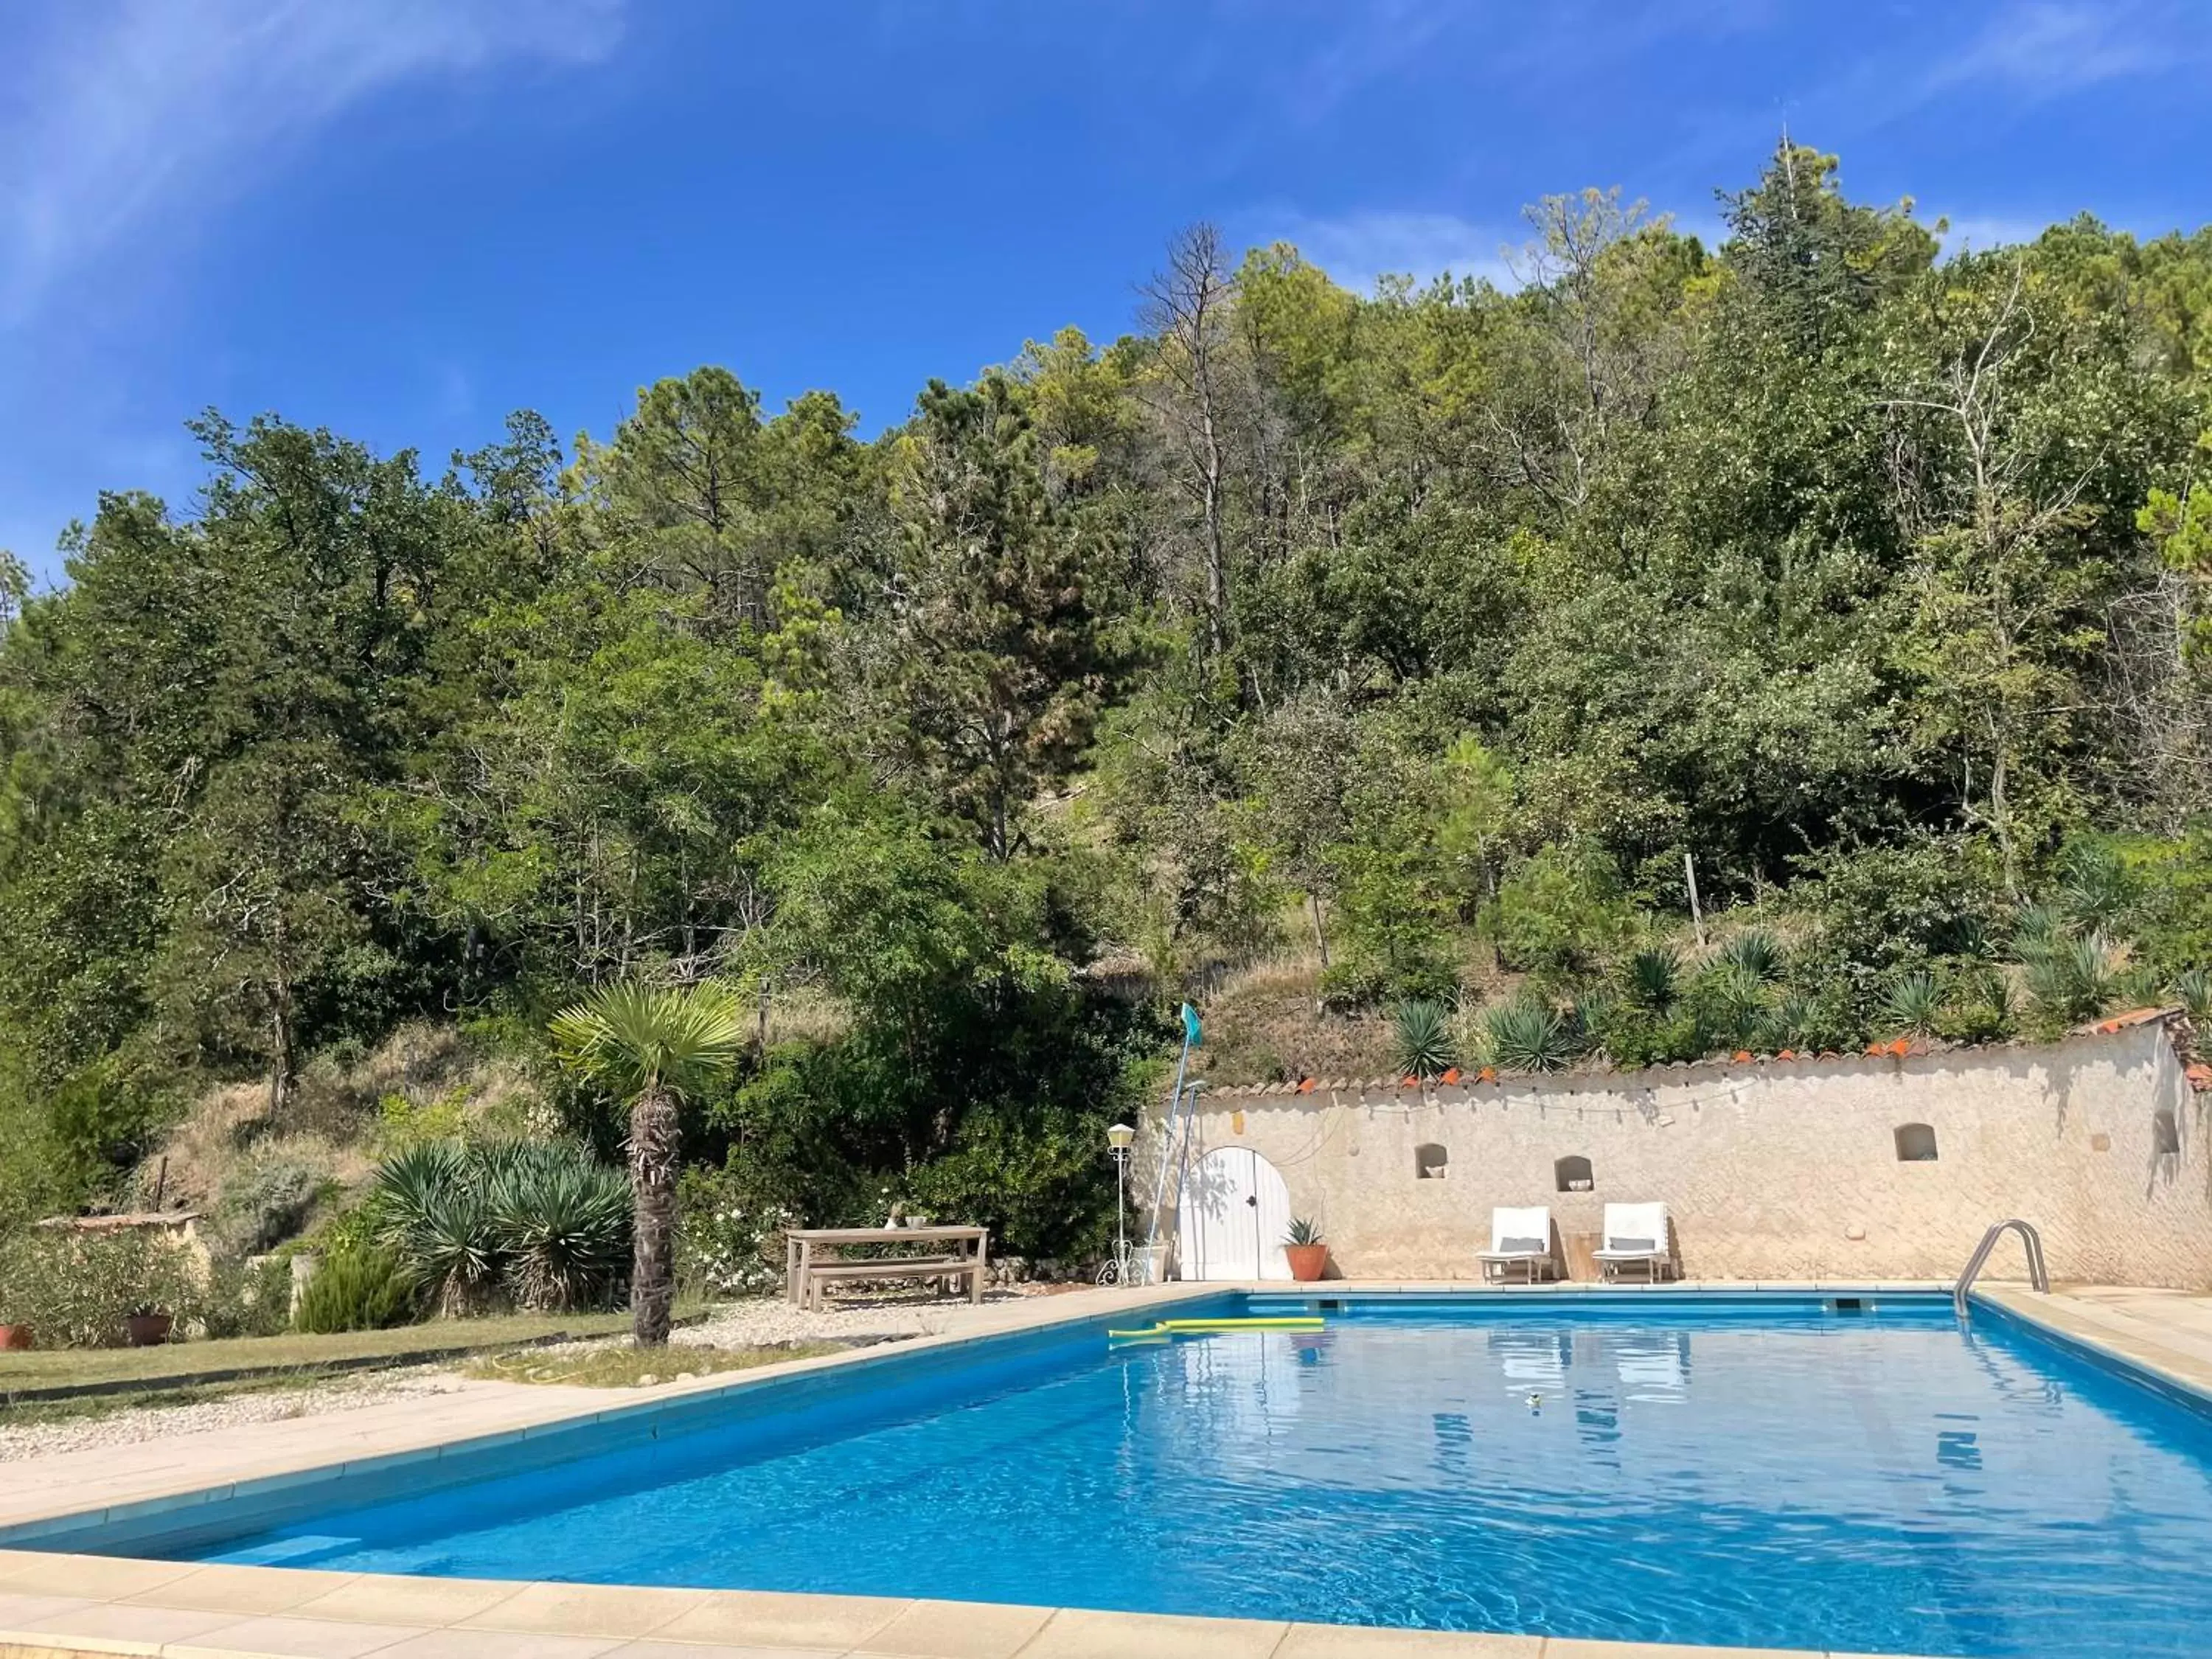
{"type": "Point", "coordinates": [652, 1157]}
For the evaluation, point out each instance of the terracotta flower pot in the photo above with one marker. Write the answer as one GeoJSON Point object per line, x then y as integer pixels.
{"type": "Point", "coordinates": [1306, 1260]}
{"type": "Point", "coordinates": [147, 1330]}
{"type": "Point", "coordinates": [16, 1336]}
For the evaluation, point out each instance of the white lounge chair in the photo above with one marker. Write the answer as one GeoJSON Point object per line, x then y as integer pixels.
{"type": "Point", "coordinates": [1523, 1239]}
{"type": "Point", "coordinates": [1635, 1235]}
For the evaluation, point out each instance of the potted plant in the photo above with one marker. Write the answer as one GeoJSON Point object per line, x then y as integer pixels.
{"type": "Point", "coordinates": [148, 1326]}
{"type": "Point", "coordinates": [1306, 1249]}
{"type": "Point", "coordinates": [17, 1271]}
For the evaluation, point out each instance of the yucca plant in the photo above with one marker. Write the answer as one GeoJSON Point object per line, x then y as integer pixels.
{"type": "Point", "coordinates": [429, 1205]}
{"type": "Point", "coordinates": [563, 1220]}
{"type": "Point", "coordinates": [451, 1244]}
{"type": "Point", "coordinates": [1914, 1005]}
{"type": "Point", "coordinates": [2036, 928]}
{"type": "Point", "coordinates": [2192, 990]}
{"type": "Point", "coordinates": [1756, 953]}
{"type": "Point", "coordinates": [1654, 978]}
{"type": "Point", "coordinates": [2096, 890]}
{"type": "Point", "coordinates": [1790, 1022]}
{"type": "Point", "coordinates": [2074, 979]}
{"type": "Point", "coordinates": [1525, 1036]}
{"type": "Point", "coordinates": [1734, 998]}
{"type": "Point", "coordinates": [1425, 1046]}
{"type": "Point", "coordinates": [657, 1045]}
{"type": "Point", "coordinates": [1595, 1012]}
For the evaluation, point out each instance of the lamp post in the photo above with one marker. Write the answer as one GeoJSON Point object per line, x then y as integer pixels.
{"type": "Point", "coordinates": [1118, 1140]}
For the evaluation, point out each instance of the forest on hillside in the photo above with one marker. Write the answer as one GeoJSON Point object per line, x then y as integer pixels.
{"type": "Point", "coordinates": [1411, 639]}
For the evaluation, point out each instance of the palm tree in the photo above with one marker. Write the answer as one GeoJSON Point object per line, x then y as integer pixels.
{"type": "Point", "coordinates": [656, 1045]}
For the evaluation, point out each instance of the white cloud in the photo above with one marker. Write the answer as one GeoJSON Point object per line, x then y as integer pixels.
{"type": "Point", "coordinates": [2058, 46]}
{"type": "Point", "coordinates": [1356, 249]}
{"type": "Point", "coordinates": [132, 113]}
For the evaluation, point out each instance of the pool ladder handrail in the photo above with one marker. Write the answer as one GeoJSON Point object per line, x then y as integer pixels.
{"type": "Point", "coordinates": [2038, 1276]}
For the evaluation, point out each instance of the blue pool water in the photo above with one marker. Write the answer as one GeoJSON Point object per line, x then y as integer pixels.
{"type": "Point", "coordinates": [1756, 1472]}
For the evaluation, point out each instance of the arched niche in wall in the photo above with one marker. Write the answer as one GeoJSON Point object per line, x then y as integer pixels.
{"type": "Point", "coordinates": [1572, 1175]}
{"type": "Point", "coordinates": [1431, 1161]}
{"type": "Point", "coordinates": [1916, 1144]}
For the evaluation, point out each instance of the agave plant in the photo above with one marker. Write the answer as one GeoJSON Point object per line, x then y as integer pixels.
{"type": "Point", "coordinates": [1914, 1004]}
{"type": "Point", "coordinates": [1655, 978]}
{"type": "Point", "coordinates": [2074, 979]}
{"type": "Point", "coordinates": [657, 1045]}
{"type": "Point", "coordinates": [1425, 1048]}
{"type": "Point", "coordinates": [1756, 953]}
{"type": "Point", "coordinates": [1525, 1036]}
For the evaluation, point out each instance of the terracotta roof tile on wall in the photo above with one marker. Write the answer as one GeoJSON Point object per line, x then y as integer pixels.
{"type": "Point", "coordinates": [2133, 1017]}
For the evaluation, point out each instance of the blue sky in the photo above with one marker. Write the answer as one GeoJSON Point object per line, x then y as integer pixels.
{"type": "Point", "coordinates": [402, 219]}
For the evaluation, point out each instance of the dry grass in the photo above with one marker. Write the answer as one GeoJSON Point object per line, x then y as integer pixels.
{"type": "Point", "coordinates": [1262, 1025]}
{"type": "Point", "coordinates": [806, 1013]}
{"type": "Point", "coordinates": [335, 1123]}
{"type": "Point", "coordinates": [634, 1368]}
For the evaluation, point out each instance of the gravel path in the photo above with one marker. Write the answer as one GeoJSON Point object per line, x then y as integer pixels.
{"type": "Point", "coordinates": [762, 1319]}
{"type": "Point", "coordinates": [129, 1426]}
{"type": "Point", "coordinates": [772, 1319]}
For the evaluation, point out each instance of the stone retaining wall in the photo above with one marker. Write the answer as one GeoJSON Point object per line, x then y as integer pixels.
{"type": "Point", "coordinates": [1800, 1170]}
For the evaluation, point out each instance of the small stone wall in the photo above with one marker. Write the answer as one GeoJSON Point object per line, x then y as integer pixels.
{"type": "Point", "coordinates": [1798, 1169]}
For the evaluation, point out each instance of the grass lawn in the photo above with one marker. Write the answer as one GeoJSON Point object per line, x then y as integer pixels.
{"type": "Point", "coordinates": [182, 1362]}
{"type": "Point", "coordinates": [634, 1368]}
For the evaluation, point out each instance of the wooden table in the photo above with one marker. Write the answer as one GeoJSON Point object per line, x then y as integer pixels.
{"type": "Point", "coordinates": [970, 1245]}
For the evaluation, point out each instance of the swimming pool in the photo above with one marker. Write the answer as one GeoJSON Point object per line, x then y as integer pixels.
{"type": "Point", "coordinates": [1737, 1469]}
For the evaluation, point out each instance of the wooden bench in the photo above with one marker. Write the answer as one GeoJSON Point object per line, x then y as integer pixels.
{"type": "Point", "coordinates": [950, 1269]}
{"type": "Point", "coordinates": [813, 1258]}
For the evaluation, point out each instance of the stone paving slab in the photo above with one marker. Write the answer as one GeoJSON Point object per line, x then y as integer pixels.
{"type": "Point", "coordinates": [54, 1605]}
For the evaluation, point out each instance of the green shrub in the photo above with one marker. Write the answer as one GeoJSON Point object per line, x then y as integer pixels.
{"type": "Point", "coordinates": [1560, 912]}
{"type": "Point", "coordinates": [729, 1233]}
{"type": "Point", "coordinates": [1880, 911]}
{"type": "Point", "coordinates": [402, 1122]}
{"type": "Point", "coordinates": [1425, 1045]}
{"type": "Point", "coordinates": [248, 1298]}
{"type": "Point", "coordinates": [18, 1292]}
{"type": "Point", "coordinates": [265, 1199]}
{"type": "Point", "coordinates": [76, 1288]}
{"type": "Point", "coordinates": [357, 1290]}
{"type": "Point", "coordinates": [1039, 1179]}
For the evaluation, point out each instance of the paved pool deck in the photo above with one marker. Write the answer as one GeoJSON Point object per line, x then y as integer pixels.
{"type": "Point", "coordinates": [55, 1603]}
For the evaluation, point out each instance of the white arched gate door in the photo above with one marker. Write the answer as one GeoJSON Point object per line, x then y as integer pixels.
{"type": "Point", "coordinates": [1230, 1218]}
